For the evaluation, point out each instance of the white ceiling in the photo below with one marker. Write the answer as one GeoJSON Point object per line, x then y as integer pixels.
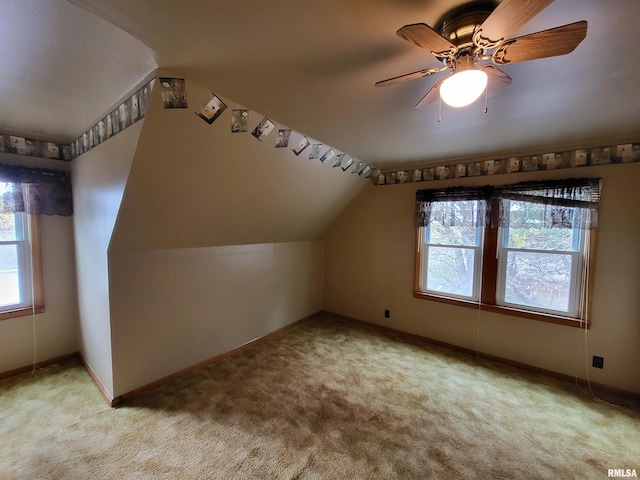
{"type": "Point", "coordinates": [311, 65]}
{"type": "Point", "coordinates": [63, 68]}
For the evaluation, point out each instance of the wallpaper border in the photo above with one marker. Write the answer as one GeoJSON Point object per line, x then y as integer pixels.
{"type": "Point", "coordinates": [612, 154]}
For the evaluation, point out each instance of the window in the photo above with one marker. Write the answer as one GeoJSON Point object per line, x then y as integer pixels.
{"type": "Point", "coordinates": [520, 249]}
{"type": "Point", "coordinates": [20, 285]}
{"type": "Point", "coordinates": [26, 193]}
{"type": "Point", "coordinates": [540, 268]}
{"type": "Point", "coordinates": [452, 254]}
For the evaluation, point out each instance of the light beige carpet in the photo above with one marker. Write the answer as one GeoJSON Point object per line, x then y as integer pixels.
{"type": "Point", "coordinates": [324, 400]}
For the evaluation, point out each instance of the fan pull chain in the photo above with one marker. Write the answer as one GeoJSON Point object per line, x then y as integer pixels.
{"type": "Point", "coordinates": [440, 109]}
{"type": "Point", "coordinates": [486, 99]}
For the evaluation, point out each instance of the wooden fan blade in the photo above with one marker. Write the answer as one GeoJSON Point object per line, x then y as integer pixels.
{"type": "Point", "coordinates": [497, 80]}
{"type": "Point", "coordinates": [409, 76]}
{"type": "Point", "coordinates": [548, 43]}
{"type": "Point", "coordinates": [431, 96]}
{"type": "Point", "coordinates": [506, 19]}
{"type": "Point", "coordinates": [424, 36]}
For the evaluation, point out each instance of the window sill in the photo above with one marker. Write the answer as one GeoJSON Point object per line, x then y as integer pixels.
{"type": "Point", "coordinates": [513, 312]}
{"type": "Point", "coordinates": [21, 312]}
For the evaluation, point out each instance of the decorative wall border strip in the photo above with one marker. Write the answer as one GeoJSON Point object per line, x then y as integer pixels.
{"type": "Point", "coordinates": [34, 148]}
{"type": "Point", "coordinates": [624, 153]}
{"type": "Point", "coordinates": [175, 97]}
{"type": "Point", "coordinates": [134, 108]}
{"type": "Point", "coordinates": [131, 110]}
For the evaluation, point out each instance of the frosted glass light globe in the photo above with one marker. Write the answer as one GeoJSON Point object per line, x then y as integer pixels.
{"type": "Point", "coordinates": [463, 88]}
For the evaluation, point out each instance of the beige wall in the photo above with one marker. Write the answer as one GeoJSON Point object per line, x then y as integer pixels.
{"type": "Point", "coordinates": [173, 308]}
{"type": "Point", "coordinates": [369, 267]}
{"type": "Point", "coordinates": [198, 185]}
{"type": "Point", "coordinates": [216, 242]}
{"type": "Point", "coordinates": [99, 178]}
{"type": "Point", "coordinates": [56, 330]}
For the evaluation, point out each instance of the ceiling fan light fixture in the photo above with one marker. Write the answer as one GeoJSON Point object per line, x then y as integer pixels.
{"type": "Point", "coordinates": [480, 30]}
{"type": "Point", "coordinates": [463, 87]}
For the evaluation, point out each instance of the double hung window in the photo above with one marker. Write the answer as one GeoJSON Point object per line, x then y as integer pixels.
{"type": "Point", "coordinates": [20, 271]}
{"type": "Point", "coordinates": [452, 253]}
{"type": "Point", "coordinates": [25, 194]}
{"type": "Point", "coordinates": [15, 262]}
{"type": "Point", "coordinates": [521, 249]}
{"type": "Point", "coordinates": [540, 268]}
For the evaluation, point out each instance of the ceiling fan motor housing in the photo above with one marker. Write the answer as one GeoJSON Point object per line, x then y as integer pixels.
{"type": "Point", "coordinates": [477, 31]}
{"type": "Point", "coordinates": [463, 62]}
{"type": "Point", "coordinates": [459, 24]}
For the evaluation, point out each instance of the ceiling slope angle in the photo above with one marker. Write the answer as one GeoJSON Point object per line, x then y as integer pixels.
{"type": "Point", "coordinates": [313, 66]}
{"type": "Point", "coordinates": [63, 68]}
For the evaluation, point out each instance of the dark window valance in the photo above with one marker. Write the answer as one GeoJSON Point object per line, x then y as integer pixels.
{"type": "Point", "coordinates": [35, 191]}
{"type": "Point", "coordinates": [569, 203]}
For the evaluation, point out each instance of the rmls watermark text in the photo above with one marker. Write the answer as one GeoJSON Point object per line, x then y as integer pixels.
{"type": "Point", "coordinates": [622, 472]}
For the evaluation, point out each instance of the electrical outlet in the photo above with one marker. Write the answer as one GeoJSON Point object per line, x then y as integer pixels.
{"type": "Point", "coordinates": [387, 314]}
{"type": "Point", "coordinates": [598, 362]}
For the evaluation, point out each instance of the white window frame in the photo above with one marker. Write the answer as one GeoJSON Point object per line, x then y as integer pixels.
{"type": "Point", "coordinates": [577, 272]}
{"type": "Point", "coordinates": [489, 286]}
{"type": "Point", "coordinates": [23, 249]}
{"type": "Point", "coordinates": [477, 268]}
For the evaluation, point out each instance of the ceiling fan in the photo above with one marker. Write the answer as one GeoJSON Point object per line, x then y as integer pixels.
{"type": "Point", "coordinates": [479, 31]}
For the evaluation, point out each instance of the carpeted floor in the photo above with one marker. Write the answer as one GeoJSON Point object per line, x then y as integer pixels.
{"type": "Point", "coordinates": [324, 400]}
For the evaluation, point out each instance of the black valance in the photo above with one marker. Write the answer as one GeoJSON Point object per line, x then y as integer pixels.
{"type": "Point", "coordinates": [35, 191]}
{"type": "Point", "coordinates": [568, 203]}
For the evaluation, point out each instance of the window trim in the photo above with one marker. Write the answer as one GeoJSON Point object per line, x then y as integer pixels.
{"type": "Point", "coordinates": [574, 288]}
{"type": "Point", "coordinates": [477, 248]}
{"type": "Point", "coordinates": [37, 305]}
{"type": "Point", "coordinates": [577, 271]}
{"type": "Point", "coordinates": [488, 282]}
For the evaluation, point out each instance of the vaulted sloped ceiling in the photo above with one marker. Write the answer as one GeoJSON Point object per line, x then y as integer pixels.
{"type": "Point", "coordinates": [198, 185]}
{"type": "Point", "coordinates": [312, 65]}
{"type": "Point", "coordinates": [62, 68]}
